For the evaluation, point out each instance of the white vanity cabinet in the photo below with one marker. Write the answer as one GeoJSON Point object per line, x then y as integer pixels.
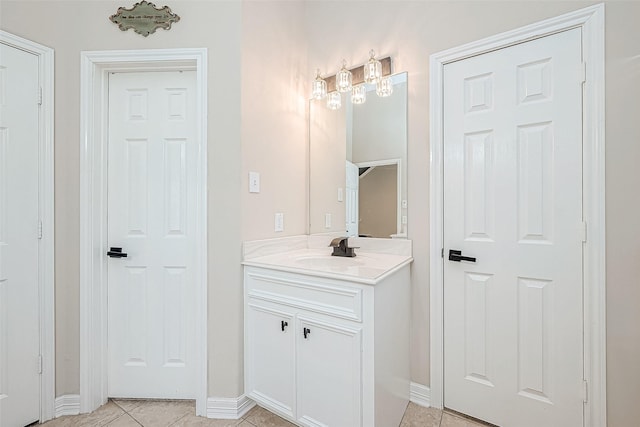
{"type": "Point", "coordinates": [322, 351]}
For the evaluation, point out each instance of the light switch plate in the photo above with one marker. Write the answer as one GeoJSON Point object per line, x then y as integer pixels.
{"type": "Point", "coordinates": [340, 194]}
{"type": "Point", "coordinates": [327, 220]}
{"type": "Point", "coordinates": [279, 222]}
{"type": "Point", "coordinates": [254, 182]}
{"type": "Point", "coordinates": [404, 204]}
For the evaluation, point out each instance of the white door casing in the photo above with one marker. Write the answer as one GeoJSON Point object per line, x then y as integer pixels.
{"type": "Point", "coordinates": [19, 218]}
{"type": "Point", "coordinates": [513, 200]}
{"type": "Point", "coordinates": [591, 23]}
{"type": "Point", "coordinates": [26, 230]}
{"type": "Point", "coordinates": [151, 216]}
{"type": "Point", "coordinates": [95, 68]}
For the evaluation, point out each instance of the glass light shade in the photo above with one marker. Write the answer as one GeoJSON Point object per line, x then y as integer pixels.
{"type": "Point", "coordinates": [359, 94]}
{"type": "Point", "coordinates": [372, 69]}
{"type": "Point", "coordinates": [343, 79]}
{"type": "Point", "coordinates": [384, 87]}
{"type": "Point", "coordinates": [319, 87]}
{"type": "Point", "coordinates": [334, 100]}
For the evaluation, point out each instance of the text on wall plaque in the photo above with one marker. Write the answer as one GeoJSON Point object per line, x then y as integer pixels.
{"type": "Point", "coordinates": [145, 18]}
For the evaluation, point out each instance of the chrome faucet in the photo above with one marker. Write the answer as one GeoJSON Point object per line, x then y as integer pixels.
{"type": "Point", "coordinates": [341, 247]}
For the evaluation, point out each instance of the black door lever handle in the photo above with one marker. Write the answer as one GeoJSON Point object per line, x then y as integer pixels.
{"type": "Point", "coordinates": [116, 253]}
{"type": "Point", "coordinates": [455, 255]}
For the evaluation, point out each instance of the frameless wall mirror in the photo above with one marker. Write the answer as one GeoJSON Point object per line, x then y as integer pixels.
{"type": "Point", "coordinates": [358, 165]}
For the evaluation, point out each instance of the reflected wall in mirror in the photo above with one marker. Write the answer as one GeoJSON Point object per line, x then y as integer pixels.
{"type": "Point", "coordinates": [357, 170]}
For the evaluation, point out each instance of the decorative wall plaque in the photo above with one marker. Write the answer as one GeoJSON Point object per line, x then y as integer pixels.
{"type": "Point", "coordinates": [144, 17]}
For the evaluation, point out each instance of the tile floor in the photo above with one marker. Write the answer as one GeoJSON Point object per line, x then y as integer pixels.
{"type": "Point", "coordinates": [153, 413]}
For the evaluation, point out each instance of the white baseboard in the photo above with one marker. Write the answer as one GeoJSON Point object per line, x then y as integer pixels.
{"type": "Point", "coordinates": [420, 395]}
{"type": "Point", "coordinates": [228, 408]}
{"type": "Point", "coordinates": [69, 404]}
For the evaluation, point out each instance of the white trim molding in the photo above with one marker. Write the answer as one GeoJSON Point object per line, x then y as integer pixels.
{"type": "Point", "coordinates": [46, 252]}
{"type": "Point", "coordinates": [69, 404]}
{"type": "Point", "coordinates": [591, 22]}
{"type": "Point", "coordinates": [229, 408]}
{"type": "Point", "coordinates": [420, 394]}
{"type": "Point", "coordinates": [95, 66]}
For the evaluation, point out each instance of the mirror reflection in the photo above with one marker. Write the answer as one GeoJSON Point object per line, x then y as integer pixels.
{"type": "Point", "coordinates": [358, 158]}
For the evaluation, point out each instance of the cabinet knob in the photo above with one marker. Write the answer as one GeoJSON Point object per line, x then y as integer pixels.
{"type": "Point", "coordinates": [283, 325]}
{"type": "Point", "coordinates": [306, 331]}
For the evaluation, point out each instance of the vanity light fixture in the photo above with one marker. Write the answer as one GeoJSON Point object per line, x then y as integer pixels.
{"type": "Point", "coordinates": [384, 87]}
{"type": "Point", "coordinates": [319, 90]}
{"type": "Point", "coordinates": [372, 69]}
{"type": "Point", "coordinates": [343, 78]}
{"type": "Point", "coordinates": [334, 100]}
{"type": "Point", "coordinates": [359, 94]}
{"type": "Point", "coordinates": [355, 80]}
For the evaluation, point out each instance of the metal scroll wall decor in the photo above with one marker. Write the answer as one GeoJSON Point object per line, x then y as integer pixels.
{"type": "Point", "coordinates": [145, 18]}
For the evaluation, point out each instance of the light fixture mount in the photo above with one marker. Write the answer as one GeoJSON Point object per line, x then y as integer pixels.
{"type": "Point", "coordinates": [355, 80]}
{"type": "Point", "coordinates": [357, 74]}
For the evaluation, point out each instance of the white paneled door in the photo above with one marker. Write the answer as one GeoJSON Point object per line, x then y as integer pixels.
{"type": "Point", "coordinates": [513, 201]}
{"type": "Point", "coordinates": [19, 233]}
{"type": "Point", "coordinates": [151, 218]}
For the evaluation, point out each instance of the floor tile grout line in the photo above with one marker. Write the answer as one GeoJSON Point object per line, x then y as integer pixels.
{"type": "Point", "coordinates": [134, 420]}
{"type": "Point", "coordinates": [124, 412]}
{"type": "Point", "coordinates": [176, 421]}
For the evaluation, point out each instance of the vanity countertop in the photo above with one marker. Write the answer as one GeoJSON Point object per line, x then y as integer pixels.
{"type": "Point", "coordinates": [366, 267]}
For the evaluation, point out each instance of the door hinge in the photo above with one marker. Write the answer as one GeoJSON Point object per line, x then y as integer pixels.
{"type": "Point", "coordinates": [39, 363]}
{"type": "Point", "coordinates": [583, 72]}
{"type": "Point", "coordinates": [441, 252]}
{"type": "Point", "coordinates": [40, 96]}
{"type": "Point", "coordinates": [583, 231]}
{"type": "Point", "coordinates": [40, 232]}
{"type": "Point", "coordinates": [585, 391]}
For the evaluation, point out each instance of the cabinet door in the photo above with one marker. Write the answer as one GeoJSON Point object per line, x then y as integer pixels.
{"type": "Point", "coordinates": [270, 366]}
{"type": "Point", "coordinates": [329, 373]}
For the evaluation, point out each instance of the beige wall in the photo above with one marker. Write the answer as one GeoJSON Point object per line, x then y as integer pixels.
{"type": "Point", "coordinates": [275, 128]}
{"type": "Point", "coordinates": [252, 42]}
{"type": "Point", "coordinates": [622, 207]}
{"type": "Point", "coordinates": [328, 146]}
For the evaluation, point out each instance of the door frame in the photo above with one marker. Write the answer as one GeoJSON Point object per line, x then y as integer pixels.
{"type": "Point", "coordinates": [46, 247]}
{"type": "Point", "coordinates": [591, 21]}
{"type": "Point", "coordinates": [94, 78]}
